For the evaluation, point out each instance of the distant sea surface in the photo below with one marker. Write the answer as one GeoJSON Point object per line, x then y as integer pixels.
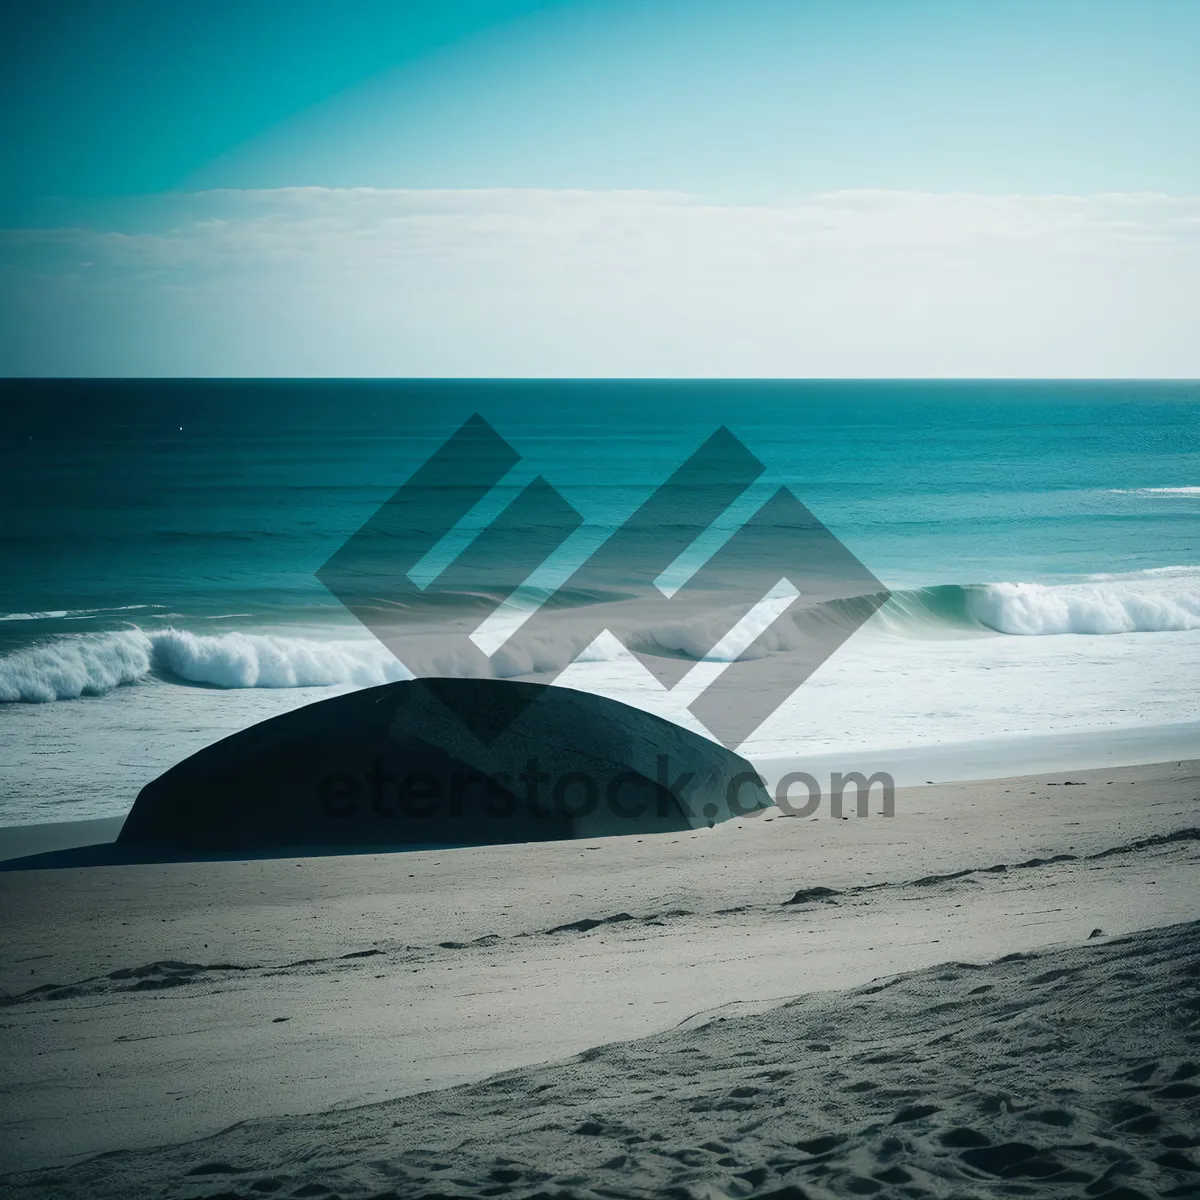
{"type": "Point", "coordinates": [159, 542]}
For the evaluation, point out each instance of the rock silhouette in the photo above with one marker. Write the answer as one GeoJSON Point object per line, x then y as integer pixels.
{"type": "Point", "coordinates": [441, 762]}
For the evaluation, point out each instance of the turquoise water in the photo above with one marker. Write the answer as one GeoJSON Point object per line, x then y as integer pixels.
{"type": "Point", "coordinates": [189, 495]}
{"type": "Point", "coordinates": [162, 535]}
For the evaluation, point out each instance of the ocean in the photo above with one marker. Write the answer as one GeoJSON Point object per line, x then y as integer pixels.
{"type": "Point", "coordinates": [160, 543]}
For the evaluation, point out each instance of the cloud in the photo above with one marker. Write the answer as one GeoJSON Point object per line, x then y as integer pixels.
{"type": "Point", "coordinates": [317, 281]}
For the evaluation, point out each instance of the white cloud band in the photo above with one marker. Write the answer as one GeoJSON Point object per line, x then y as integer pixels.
{"type": "Point", "coordinates": [314, 281]}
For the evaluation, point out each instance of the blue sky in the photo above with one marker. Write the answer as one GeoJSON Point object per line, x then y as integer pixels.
{"type": "Point", "coordinates": [122, 120]}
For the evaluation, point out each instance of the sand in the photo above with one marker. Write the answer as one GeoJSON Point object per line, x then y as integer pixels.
{"type": "Point", "coordinates": [201, 995]}
{"type": "Point", "coordinates": [1065, 1073]}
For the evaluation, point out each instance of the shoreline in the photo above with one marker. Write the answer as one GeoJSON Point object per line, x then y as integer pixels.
{"type": "Point", "coordinates": [212, 992]}
{"type": "Point", "coordinates": [979, 760]}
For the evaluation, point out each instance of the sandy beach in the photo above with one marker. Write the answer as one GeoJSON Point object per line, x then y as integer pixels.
{"type": "Point", "coordinates": [207, 995]}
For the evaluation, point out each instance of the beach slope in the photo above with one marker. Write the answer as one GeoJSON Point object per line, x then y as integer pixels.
{"type": "Point", "coordinates": [204, 994]}
{"type": "Point", "coordinates": [1064, 1073]}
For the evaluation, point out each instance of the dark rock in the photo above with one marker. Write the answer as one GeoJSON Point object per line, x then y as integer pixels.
{"type": "Point", "coordinates": [439, 762]}
{"type": "Point", "coordinates": [915, 1112]}
{"type": "Point", "coordinates": [809, 895]}
{"type": "Point", "coordinates": [587, 923]}
{"type": "Point", "coordinates": [1000, 1160]}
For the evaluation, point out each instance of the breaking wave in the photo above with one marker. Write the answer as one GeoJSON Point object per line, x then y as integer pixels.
{"type": "Point", "coordinates": [70, 666]}
{"type": "Point", "coordinates": [92, 664]}
{"type": "Point", "coordinates": [1033, 609]}
{"type": "Point", "coordinates": [1158, 601]}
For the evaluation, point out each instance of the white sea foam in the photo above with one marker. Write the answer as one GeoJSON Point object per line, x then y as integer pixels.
{"type": "Point", "coordinates": [72, 613]}
{"type": "Point", "coordinates": [77, 666]}
{"type": "Point", "coordinates": [244, 660]}
{"type": "Point", "coordinates": [1151, 573]}
{"type": "Point", "coordinates": [66, 667]}
{"type": "Point", "coordinates": [89, 665]}
{"type": "Point", "coordinates": [71, 666]}
{"type": "Point", "coordinates": [1158, 491]}
{"type": "Point", "coordinates": [1032, 609]}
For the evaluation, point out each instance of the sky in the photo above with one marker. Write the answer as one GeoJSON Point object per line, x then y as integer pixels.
{"type": "Point", "coordinates": [797, 188]}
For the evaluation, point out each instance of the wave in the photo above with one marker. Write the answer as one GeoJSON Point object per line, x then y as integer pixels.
{"type": "Point", "coordinates": [90, 665]}
{"type": "Point", "coordinates": [1034, 609]}
{"type": "Point", "coordinates": [1156, 601]}
{"type": "Point", "coordinates": [1148, 573]}
{"type": "Point", "coordinates": [1158, 491]}
{"type": "Point", "coordinates": [74, 613]}
{"type": "Point", "coordinates": [1134, 604]}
